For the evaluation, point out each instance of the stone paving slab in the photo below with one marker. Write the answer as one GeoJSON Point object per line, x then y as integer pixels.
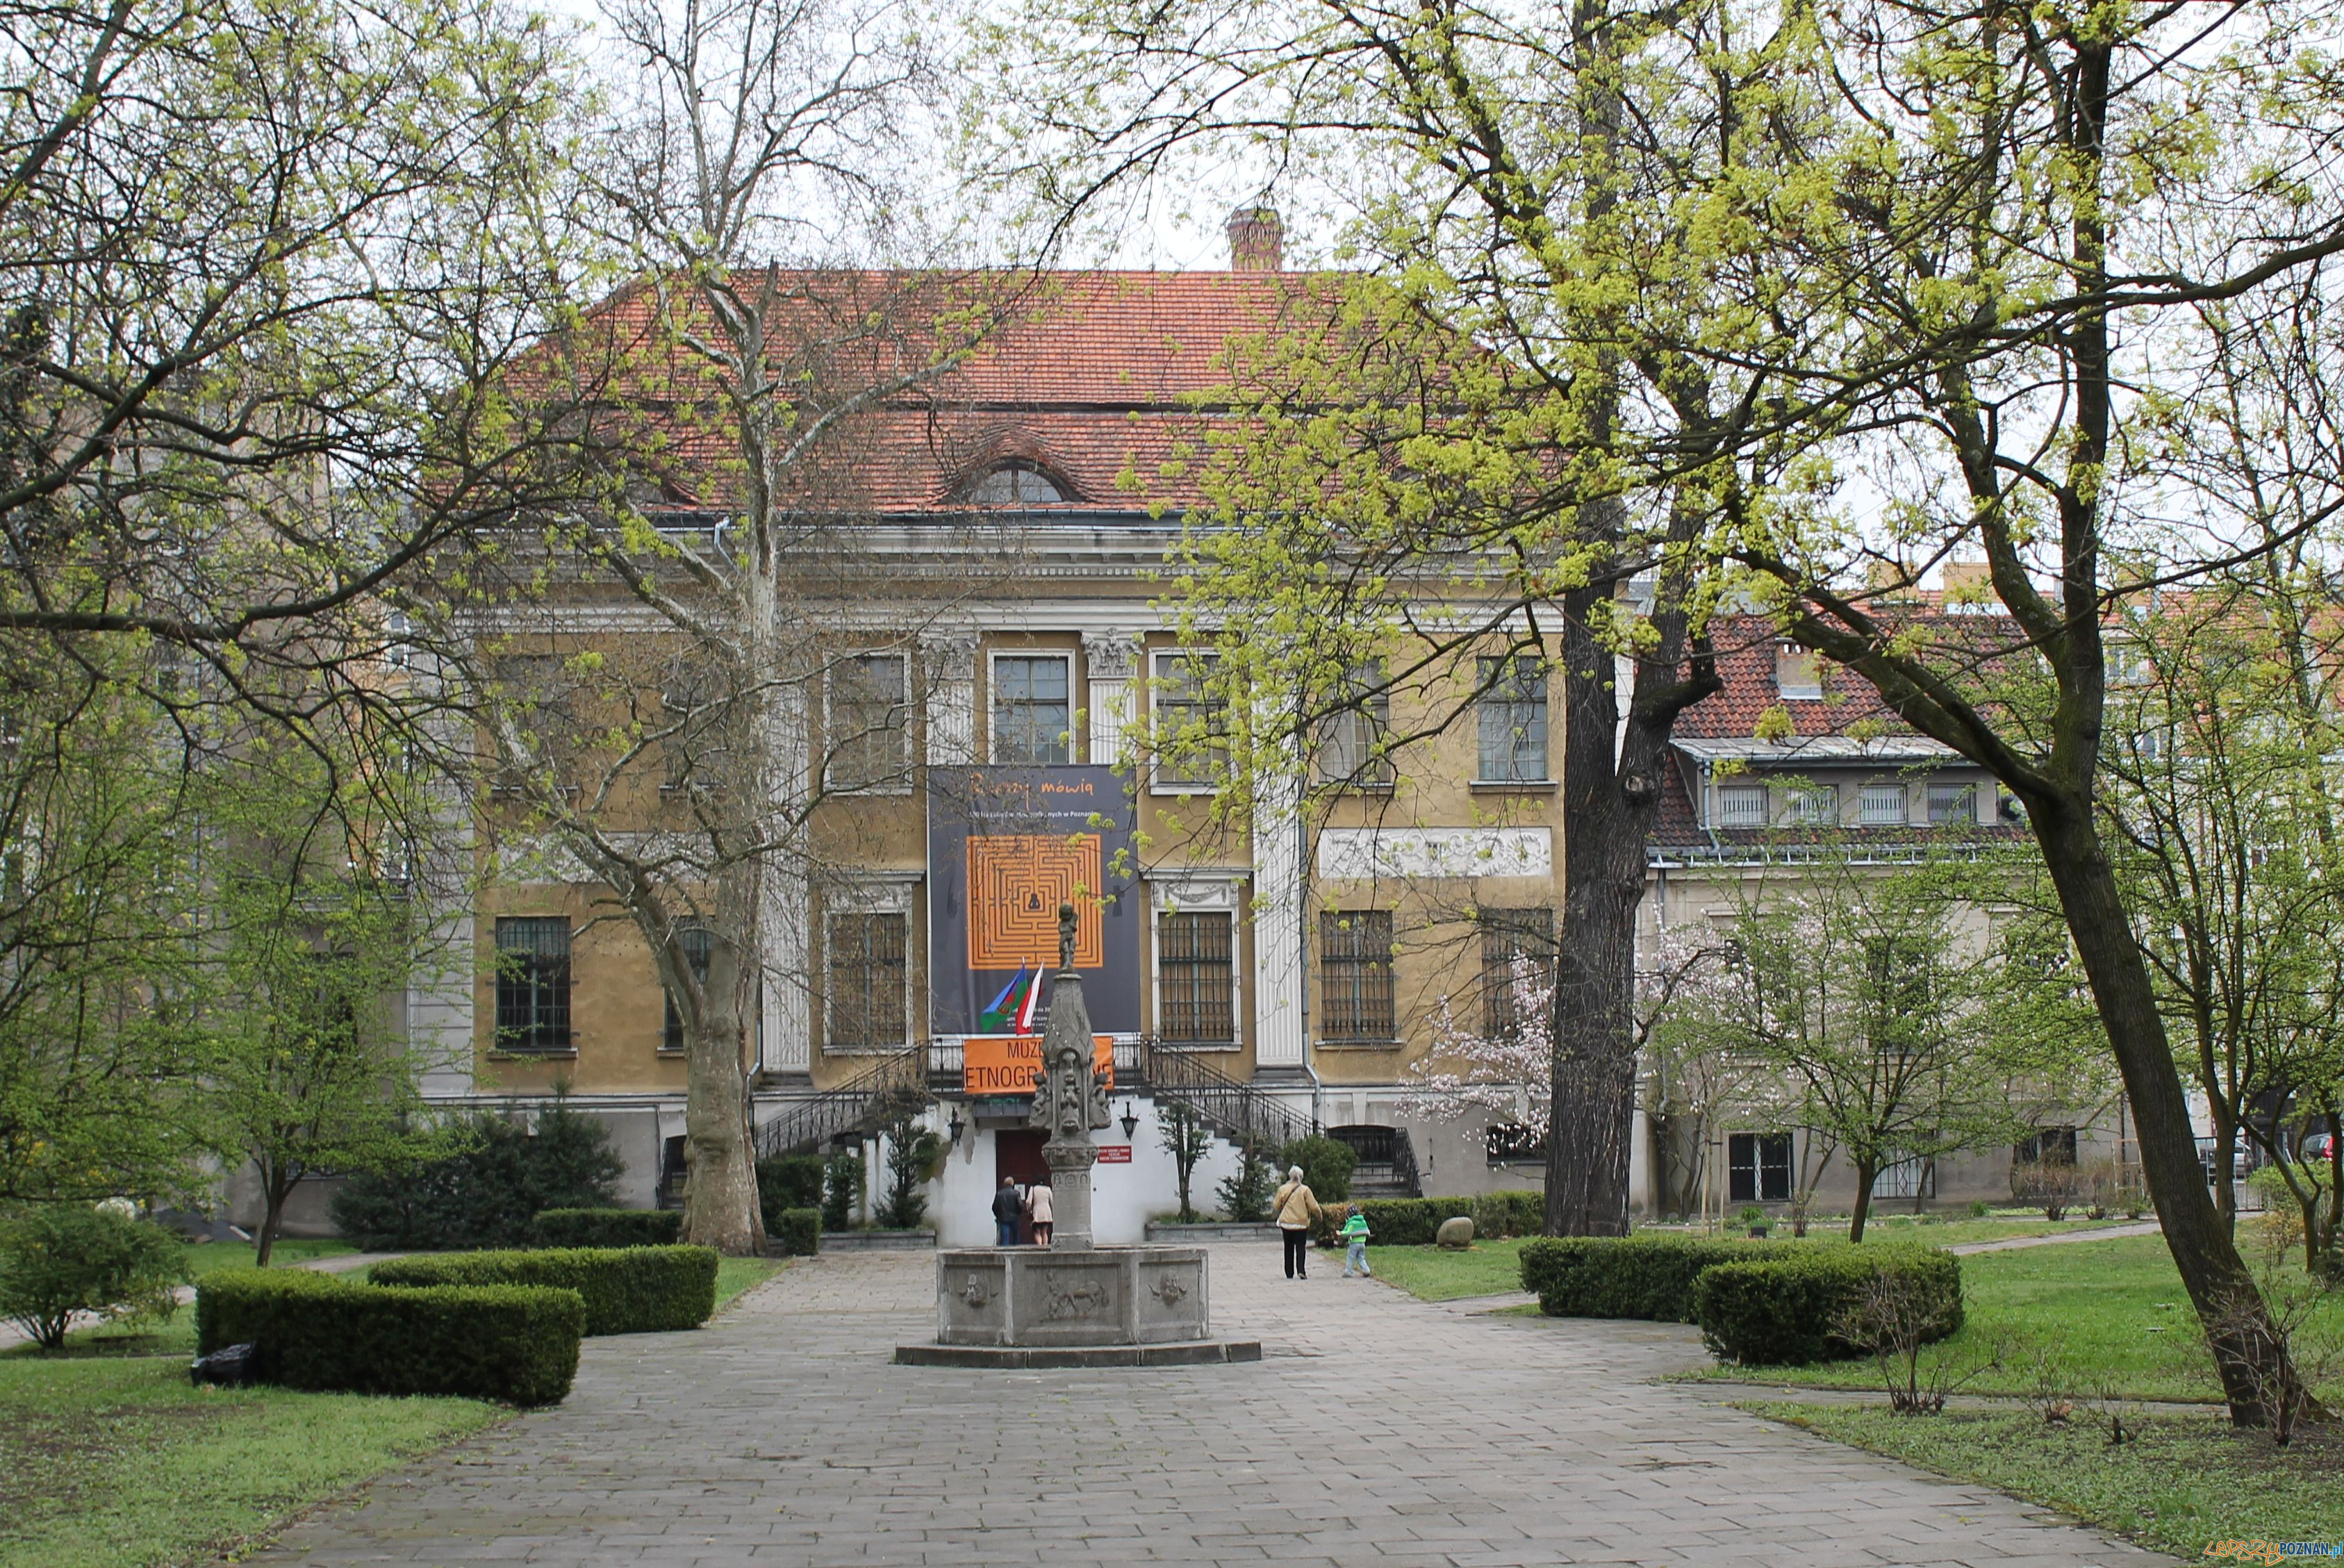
{"type": "Point", "coordinates": [1377, 1430]}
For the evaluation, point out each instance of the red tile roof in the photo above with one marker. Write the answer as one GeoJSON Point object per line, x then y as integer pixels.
{"type": "Point", "coordinates": [1106, 379]}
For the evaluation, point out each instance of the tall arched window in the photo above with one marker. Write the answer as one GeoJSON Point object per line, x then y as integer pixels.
{"type": "Point", "coordinates": [1015, 484]}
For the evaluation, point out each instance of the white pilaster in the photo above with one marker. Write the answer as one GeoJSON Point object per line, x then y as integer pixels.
{"type": "Point", "coordinates": [1110, 661]}
{"type": "Point", "coordinates": [1109, 666]}
{"type": "Point", "coordinates": [1277, 947]}
{"type": "Point", "coordinates": [949, 660]}
{"type": "Point", "coordinates": [785, 910]}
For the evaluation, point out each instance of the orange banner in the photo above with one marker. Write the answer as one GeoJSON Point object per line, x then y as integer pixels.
{"type": "Point", "coordinates": [1008, 1064]}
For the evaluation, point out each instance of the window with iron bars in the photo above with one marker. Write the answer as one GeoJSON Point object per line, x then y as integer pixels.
{"type": "Point", "coordinates": [866, 982]}
{"type": "Point", "coordinates": [1195, 971]}
{"type": "Point", "coordinates": [1354, 975]}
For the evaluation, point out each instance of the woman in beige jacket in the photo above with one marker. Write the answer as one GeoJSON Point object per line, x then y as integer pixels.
{"type": "Point", "coordinates": [1296, 1210]}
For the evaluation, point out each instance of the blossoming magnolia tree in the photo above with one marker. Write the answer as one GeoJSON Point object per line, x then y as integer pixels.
{"type": "Point", "coordinates": [1508, 1070]}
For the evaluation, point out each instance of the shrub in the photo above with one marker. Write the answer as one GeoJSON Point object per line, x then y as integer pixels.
{"type": "Point", "coordinates": [60, 1259]}
{"type": "Point", "coordinates": [1327, 1230]}
{"type": "Point", "coordinates": [1326, 1165]}
{"type": "Point", "coordinates": [841, 1188]}
{"type": "Point", "coordinates": [627, 1290]}
{"type": "Point", "coordinates": [607, 1228]}
{"type": "Point", "coordinates": [1641, 1276]}
{"type": "Point", "coordinates": [311, 1331]}
{"type": "Point", "coordinates": [1245, 1193]}
{"type": "Point", "coordinates": [2051, 1185]}
{"type": "Point", "coordinates": [787, 1181]}
{"type": "Point", "coordinates": [799, 1232]}
{"type": "Point", "coordinates": [1789, 1311]}
{"type": "Point", "coordinates": [914, 1154]}
{"type": "Point", "coordinates": [500, 1177]}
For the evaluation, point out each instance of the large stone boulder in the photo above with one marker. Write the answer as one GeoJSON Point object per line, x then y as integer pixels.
{"type": "Point", "coordinates": [1456, 1235]}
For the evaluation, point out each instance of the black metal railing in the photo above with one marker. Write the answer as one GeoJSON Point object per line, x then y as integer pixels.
{"type": "Point", "coordinates": [1238, 1111]}
{"type": "Point", "coordinates": [894, 1087]}
{"type": "Point", "coordinates": [1404, 1173]}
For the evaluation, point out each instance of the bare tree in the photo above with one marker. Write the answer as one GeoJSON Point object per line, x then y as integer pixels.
{"type": "Point", "coordinates": [736, 403]}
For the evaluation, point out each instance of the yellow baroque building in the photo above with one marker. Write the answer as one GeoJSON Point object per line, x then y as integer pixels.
{"type": "Point", "coordinates": [998, 654]}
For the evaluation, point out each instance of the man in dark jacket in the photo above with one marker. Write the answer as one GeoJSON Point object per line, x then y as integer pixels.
{"type": "Point", "coordinates": [1008, 1209]}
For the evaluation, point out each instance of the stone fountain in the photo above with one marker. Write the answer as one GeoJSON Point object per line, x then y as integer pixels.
{"type": "Point", "coordinates": [1073, 1303]}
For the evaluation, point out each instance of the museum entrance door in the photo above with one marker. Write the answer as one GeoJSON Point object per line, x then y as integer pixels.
{"type": "Point", "coordinates": [1017, 1155]}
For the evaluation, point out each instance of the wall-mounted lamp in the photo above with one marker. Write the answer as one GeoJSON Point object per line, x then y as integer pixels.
{"type": "Point", "coordinates": [954, 1126]}
{"type": "Point", "coordinates": [1130, 1119]}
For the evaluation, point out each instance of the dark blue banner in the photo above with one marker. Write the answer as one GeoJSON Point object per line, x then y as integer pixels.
{"type": "Point", "coordinates": [1005, 848]}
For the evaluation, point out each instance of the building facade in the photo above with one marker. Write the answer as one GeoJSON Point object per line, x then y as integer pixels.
{"type": "Point", "coordinates": [997, 658]}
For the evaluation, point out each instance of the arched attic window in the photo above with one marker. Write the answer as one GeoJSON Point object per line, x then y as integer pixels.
{"type": "Point", "coordinates": [1015, 484]}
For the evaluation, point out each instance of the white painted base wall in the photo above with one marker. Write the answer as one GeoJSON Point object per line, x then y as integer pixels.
{"type": "Point", "coordinates": [1123, 1197]}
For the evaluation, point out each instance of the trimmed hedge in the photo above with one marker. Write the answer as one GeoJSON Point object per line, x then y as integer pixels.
{"type": "Point", "coordinates": [1779, 1312]}
{"type": "Point", "coordinates": [310, 1330]}
{"type": "Point", "coordinates": [607, 1228]}
{"type": "Point", "coordinates": [1639, 1276]}
{"type": "Point", "coordinates": [627, 1290]}
{"type": "Point", "coordinates": [799, 1235]}
{"type": "Point", "coordinates": [1410, 1221]}
{"type": "Point", "coordinates": [1508, 1214]}
{"type": "Point", "coordinates": [1414, 1221]}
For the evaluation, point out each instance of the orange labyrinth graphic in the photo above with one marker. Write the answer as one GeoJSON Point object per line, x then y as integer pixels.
{"type": "Point", "coordinates": [1016, 883]}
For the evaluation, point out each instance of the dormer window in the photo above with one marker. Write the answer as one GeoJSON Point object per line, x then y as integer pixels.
{"type": "Point", "coordinates": [1017, 484]}
{"type": "Point", "coordinates": [1796, 675]}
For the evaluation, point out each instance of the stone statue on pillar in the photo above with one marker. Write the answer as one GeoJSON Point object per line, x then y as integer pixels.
{"type": "Point", "coordinates": [1070, 1100]}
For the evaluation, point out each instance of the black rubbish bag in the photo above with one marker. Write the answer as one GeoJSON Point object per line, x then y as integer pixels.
{"type": "Point", "coordinates": [228, 1367]}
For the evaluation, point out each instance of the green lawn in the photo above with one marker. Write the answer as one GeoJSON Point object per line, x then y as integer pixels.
{"type": "Point", "coordinates": [120, 1463]}
{"type": "Point", "coordinates": [205, 1258]}
{"type": "Point", "coordinates": [2109, 1312]}
{"type": "Point", "coordinates": [1930, 1229]}
{"type": "Point", "coordinates": [2178, 1484]}
{"type": "Point", "coordinates": [736, 1275]}
{"type": "Point", "coordinates": [1484, 1268]}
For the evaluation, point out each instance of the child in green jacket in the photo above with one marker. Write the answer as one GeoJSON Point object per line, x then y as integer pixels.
{"type": "Point", "coordinates": [1354, 1237]}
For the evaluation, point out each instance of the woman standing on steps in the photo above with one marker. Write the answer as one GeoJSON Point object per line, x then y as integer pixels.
{"type": "Point", "coordinates": [1296, 1210]}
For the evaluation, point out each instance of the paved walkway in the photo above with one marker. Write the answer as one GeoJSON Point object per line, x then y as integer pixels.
{"type": "Point", "coordinates": [2061, 1238]}
{"type": "Point", "coordinates": [1378, 1431]}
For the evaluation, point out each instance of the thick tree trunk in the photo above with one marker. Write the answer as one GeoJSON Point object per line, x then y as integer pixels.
{"type": "Point", "coordinates": [720, 1191]}
{"type": "Point", "coordinates": [2248, 1353]}
{"type": "Point", "coordinates": [1611, 792]}
{"type": "Point", "coordinates": [721, 1206]}
{"type": "Point", "coordinates": [1595, 1082]}
{"type": "Point", "coordinates": [1865, 1173]}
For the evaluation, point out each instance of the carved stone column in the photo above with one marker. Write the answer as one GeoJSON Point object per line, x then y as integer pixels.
{"type": "Point", "coordinates": [1068, 1099]}
{"type": "Point", "coordinates": [1111, 662]}
{"type": "Point", "coordinates": [949, 659]}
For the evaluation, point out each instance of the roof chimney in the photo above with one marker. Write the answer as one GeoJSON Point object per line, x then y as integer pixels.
{"type": "Point", "coordinates": [1256, 240]}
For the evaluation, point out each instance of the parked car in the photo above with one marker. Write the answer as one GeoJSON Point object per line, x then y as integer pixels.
{"type": "Point", "coordinates": [2319, 1145]}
